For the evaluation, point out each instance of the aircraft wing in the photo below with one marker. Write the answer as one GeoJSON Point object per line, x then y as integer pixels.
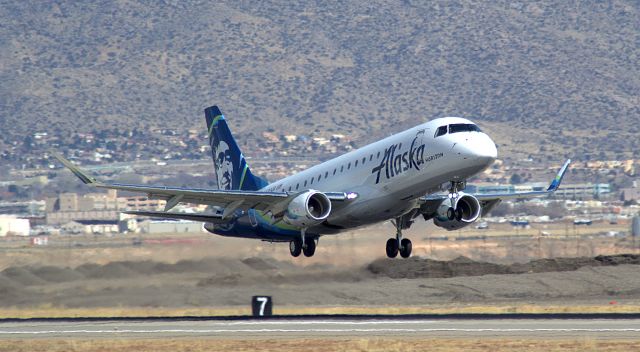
{"type": "Point", "coordinates": [430, 203]}
{"type": "Point", "coordinates": [275, 202]}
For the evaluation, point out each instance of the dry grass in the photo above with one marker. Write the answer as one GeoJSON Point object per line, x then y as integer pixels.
{"type": "Point", "coordinates": [316, 345]}
{"type": "Point", "coordinates": [486, 309]}
{"type": "Point", "coordinates": [47, 311]}
{"type": "Point", "coordinates": [61, 312]}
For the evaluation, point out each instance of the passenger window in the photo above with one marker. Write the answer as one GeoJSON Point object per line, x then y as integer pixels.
{"type": "Point", "coordinates": [349, 166]}
{"type": "Point", "coordinates": [326, 174]}
{"type": "Point", "coordinates": [334, 171]}
{"type": "Point", "coordinates": [305, 183]}
{"type": "Point", "coordinates": [342, 168]}
{"type": "Point", "coordinates": [312, 180]}
{"type": "Point", "coordinates": [356, 165]}
{"type": "Point", "coordinates": [442, 130]}
{"type": "Point", "coordinates": [378, 157]}
{"type": "Point", "coordinates": [297, 186]}
{"type": "Point", "coordinates": [319, 177]}
{"type": "Point", "coordinates": [371, 157]}
{"type": "Point", "coordinates": [289, 188]}
{"type": "Point", "coordinates": [363, 160]}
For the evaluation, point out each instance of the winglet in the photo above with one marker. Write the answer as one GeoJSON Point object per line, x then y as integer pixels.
{"type": "Point", "coordinates": [556, 181]}
{"type": "Point", "coordinates": [76, 171]}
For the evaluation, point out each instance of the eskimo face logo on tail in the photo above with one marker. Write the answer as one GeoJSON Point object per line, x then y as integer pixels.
{"type": "Point", "coordinates": [395, 161]}
{"type": "Point", "coordinates": [224, 165]}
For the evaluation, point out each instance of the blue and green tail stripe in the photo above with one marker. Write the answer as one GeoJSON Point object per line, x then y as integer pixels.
{"type": "Point", "coordinates": [218, 131]}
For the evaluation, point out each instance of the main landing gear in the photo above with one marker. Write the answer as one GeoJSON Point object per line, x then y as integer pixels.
{"type": "Point", "coordinates": [456, 186]}
{"type": "Point", "coordinates": [306, 245]}
{"type": "Point", "coordinates": [398, 244]}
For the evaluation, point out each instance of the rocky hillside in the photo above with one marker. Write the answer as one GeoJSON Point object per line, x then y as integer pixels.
{"type": "Point", "coordinates": [566, 74]}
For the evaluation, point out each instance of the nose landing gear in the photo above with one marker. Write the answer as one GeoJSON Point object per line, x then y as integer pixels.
{"type": "Point", "coordinates": [456, 186]}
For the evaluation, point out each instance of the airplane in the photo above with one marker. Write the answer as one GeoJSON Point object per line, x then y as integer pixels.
{"type": "Point", "coordinates": [398, 178]}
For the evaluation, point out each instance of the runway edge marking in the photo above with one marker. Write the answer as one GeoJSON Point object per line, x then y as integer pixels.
{"type": "Point", "coordinates": [387, 317]}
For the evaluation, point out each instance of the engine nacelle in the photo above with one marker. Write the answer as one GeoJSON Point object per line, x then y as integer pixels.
{"type": "Point", "coordinates": [209, 227]}
{"type": "Point", "coordinates": [456, 213]}
{"type": "Point", "coordinates": [308, 209]}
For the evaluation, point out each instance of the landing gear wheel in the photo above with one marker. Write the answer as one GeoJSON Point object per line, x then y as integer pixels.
{"type": "Point", "coordinates": [451, 213]}
{"type": "Point", "coordinates": [295, 247]}
{"type": "Point", "coordinates": [405, 249]}
{"type": "Point", "coordinates": [459, 214]}
{"type": "Point", "coordinates": [310, 247]}
{"type": "Point", "coordinates": [392, 248]}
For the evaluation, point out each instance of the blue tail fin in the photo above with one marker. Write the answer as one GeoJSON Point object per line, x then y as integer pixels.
{"type": "Point", "coordinates": [230, 166]}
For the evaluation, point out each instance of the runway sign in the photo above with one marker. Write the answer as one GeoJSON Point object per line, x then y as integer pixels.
{"type": "Point", "coordinates": [261, 306]}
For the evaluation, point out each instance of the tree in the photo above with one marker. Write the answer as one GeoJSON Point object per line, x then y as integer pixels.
{"type": "Point", "coordinates": [27, 142]}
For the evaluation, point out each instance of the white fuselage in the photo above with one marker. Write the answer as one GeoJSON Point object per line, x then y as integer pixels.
{"type": "Point", "coordinates": [391, 174]}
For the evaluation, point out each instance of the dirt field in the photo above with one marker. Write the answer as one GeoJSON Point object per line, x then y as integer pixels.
{"type": "Point", "coordinates": [500, 244]}
{"type": "Point", "coordinates": [229, 282]}
{"type": "Point", "coordinates": [209, 274]}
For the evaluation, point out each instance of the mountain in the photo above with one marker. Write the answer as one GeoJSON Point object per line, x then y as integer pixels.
{"type": "Point", "coordinates": [546, 78]}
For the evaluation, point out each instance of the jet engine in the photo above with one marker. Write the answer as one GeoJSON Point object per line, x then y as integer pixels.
{"type": "Point", "coordinates": [308, 209]}
{"type": "Point", "coordinates": [457, 212]}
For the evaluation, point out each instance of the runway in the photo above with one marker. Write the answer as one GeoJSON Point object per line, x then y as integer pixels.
{"type": "Point", "coordinates": [324, 328]}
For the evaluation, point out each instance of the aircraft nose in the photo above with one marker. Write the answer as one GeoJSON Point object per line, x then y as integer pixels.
{"type": "Point", "coordinates": [485, 149]}
{"type": "Point", "coordinates": [481, 148]}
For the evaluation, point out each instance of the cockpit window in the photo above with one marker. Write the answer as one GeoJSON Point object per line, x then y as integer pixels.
{"type": "Point", "coordinates": [463, 127]}
{"type": "Point", "coordinates": [442, 130]}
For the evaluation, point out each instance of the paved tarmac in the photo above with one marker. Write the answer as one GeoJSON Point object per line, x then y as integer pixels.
{"type": "Point", "coordinates": [326, 328]}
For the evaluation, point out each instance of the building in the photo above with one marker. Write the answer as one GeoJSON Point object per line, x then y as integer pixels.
{"type": "Point", "coordinates": [583, 191]}
{"type": "Point", "coordinates": [96, 227]}
{"type": "Point", "coordinates": [95, 206]}
{"type": "Point", "coordinates": [13, 226]}
{"type": "Point", "coordinates": [28, 181]}
{"type": "Point", "coordinates": [63, 217]}
{"type": "Point", "coordinates": [127, 225]}
{"type": "Point", "coordinates": [143, 203]}
{"type": "Point", "coordinates": [70, 202]}
{"type": "Point", "coordinates": [29, 208]}
{"type": "Point", "coordinates": [630, 194]}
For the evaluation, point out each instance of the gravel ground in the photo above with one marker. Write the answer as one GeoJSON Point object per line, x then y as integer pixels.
{"type": "Point", "coordinates": [231, 282]}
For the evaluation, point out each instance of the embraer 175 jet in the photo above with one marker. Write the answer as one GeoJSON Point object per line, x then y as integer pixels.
{"type": "Point", "coordinates": [398, 178]}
